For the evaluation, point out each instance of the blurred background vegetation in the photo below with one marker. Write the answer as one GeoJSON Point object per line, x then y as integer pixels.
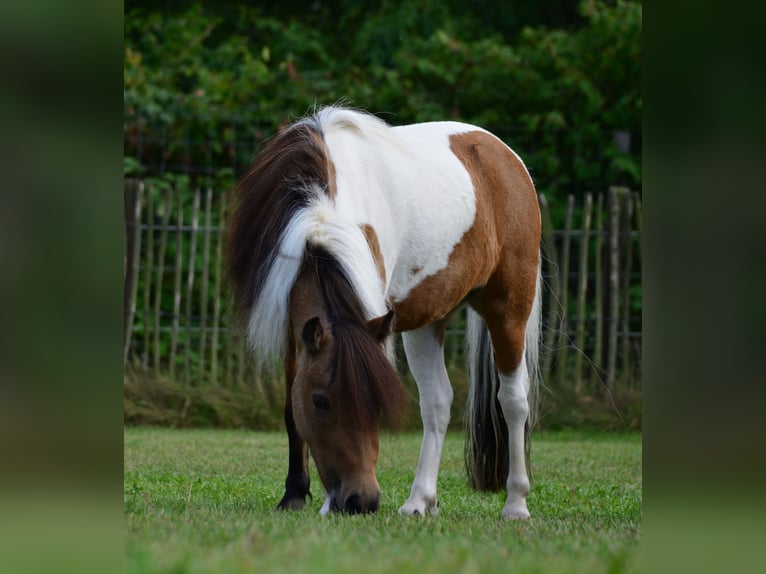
{"type": "Point", "coordinates": [206, 82]}
{"type": "Point", "coordinates": [559, 81]}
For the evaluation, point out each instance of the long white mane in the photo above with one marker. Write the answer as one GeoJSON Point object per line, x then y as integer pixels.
{"type": "Point", "coordinates": [317, 224]}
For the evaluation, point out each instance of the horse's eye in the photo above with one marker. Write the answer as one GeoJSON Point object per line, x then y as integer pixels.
{"type": "Point", "coordinates": [320, 401]}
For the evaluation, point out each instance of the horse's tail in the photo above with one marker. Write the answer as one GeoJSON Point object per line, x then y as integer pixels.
{"type": "Point", "coordinates": [486, 447]}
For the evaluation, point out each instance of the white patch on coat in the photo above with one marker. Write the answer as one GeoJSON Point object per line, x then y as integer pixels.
{"type": "Point", "coordinates": [409, 186]}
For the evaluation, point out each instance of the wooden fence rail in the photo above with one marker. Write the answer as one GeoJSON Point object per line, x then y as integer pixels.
{"type": "Point", "coordinates": [177, 311]}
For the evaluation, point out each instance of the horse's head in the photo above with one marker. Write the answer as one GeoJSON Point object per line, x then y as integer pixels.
{"type": "Point", "coordinates": [344, 384]}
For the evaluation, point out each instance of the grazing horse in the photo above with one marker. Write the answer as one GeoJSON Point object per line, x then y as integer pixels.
{"type": "Point", "coordinates": [346, 229]}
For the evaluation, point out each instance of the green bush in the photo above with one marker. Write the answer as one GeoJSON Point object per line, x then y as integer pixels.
{"type": "Point", "coordinates": [204, 88]}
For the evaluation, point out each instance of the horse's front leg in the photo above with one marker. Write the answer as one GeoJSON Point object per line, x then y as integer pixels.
{"type": "Point", "coordinates": [425, 356]}
{"type": "Point", "coordinates": [297, 482]}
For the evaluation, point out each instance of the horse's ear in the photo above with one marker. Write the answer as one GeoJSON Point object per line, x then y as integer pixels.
{"type": "Point", "coordinates": [313, 335]}
{"type": "Point", "coordinates": [381, 327]}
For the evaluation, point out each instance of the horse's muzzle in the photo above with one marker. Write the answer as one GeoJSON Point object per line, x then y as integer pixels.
{"type": "Point", "coordinates": [355, 504]}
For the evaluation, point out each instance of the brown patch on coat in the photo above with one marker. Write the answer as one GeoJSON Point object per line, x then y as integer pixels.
{"type": "Point", "coordinates": [494, 265]}
{"type": "Point", "coordinates": [377, 254]}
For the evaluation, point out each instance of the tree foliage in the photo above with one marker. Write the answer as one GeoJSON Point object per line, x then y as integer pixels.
{"type": "Point", "coordinates": [205, 84]}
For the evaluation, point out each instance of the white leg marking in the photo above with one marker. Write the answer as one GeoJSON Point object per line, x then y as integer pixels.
{"type": "Point", "coordinates": [513, 398]}
{"type": "Point", "coordinates": [425, 356]}
{"type": "Point", "coordinates": [325, 510]}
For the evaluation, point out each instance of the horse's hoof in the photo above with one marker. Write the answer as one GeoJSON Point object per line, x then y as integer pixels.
{"type": "Point", "coordinates": [419, 508]}
{"type": "Point", "coordinates": [516, 513]}
{"type": "Point", "coordinates": [411, 510]}
{"type": "Point", "coordinates": [291, 504]}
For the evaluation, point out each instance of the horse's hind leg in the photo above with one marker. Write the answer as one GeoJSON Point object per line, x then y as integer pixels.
{"type": "Point", "coordinates": [507, 322]}
{"type": "Point", "coordinates": [425, 355]}
{"type": "Point", "coordinates": [512, 395]}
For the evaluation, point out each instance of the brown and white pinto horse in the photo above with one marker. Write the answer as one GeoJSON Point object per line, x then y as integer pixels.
{"type": "Point", "coordinates": [346, 229]}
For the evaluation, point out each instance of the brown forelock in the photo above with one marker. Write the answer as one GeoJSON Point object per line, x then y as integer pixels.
{"type": "Point", "coordinates": [372, 241]}
{"type": "Point", "coordinates": [367, 382]}
{"type": "Point", "coordinates": [506, 228]}
{"type": "Point", "coordinates": [264, 201]}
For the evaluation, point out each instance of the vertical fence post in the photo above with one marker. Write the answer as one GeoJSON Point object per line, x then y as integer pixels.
{"type": "Point", "coordinates": [615, 195]}
{"type": "Point", "coordinates": [167, 208]}
{"type": "Point", "coordinates": [627, 250]}
{"type": "Point", "coordinates": [582, 286]}
{"type": "Point", "coordinates": [190, 284]}
{"type": "Point", "coordinates": [132, 277]}
{"type": "Point", "coordinates": [177, 282]}
{"type": "Point", "coordinates": [553, 296]}
{"type": "Point", "coordinates": [130, 191]}
{"type": "Point", "coordinates": [203, 300]}
{"type": "Point", "coordinates": [563, 342]}
{"type": "Point", "coordinates": [147, 275]}
{"type": "Point", "coordinates": [639, 225]}
{"type": "Point", "coordinates": [598, 318]}
{"type": "Point", "coordinates": [217, 292]}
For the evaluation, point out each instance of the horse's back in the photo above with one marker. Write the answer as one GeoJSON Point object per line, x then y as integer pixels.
{"type": "Point", "coordinates": [447, 202]}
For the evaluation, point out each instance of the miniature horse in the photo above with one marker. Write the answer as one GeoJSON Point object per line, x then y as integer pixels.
{"type": "Point", "coordinates": [347, 229]}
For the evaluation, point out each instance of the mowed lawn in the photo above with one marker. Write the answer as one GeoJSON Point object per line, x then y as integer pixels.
{"type": "Point", "coordinates": [203, 501]}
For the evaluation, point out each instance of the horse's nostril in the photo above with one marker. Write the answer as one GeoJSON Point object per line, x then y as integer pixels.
{"type": "Point", "coordinates": [354, 505]}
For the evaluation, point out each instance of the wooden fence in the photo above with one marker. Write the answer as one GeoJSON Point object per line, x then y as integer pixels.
{"type": "Point", "coordinates": [177, 310]}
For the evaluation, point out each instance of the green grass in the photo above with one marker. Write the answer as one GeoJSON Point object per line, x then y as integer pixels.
{"type": "Point", "coordinates": [203, 500]}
